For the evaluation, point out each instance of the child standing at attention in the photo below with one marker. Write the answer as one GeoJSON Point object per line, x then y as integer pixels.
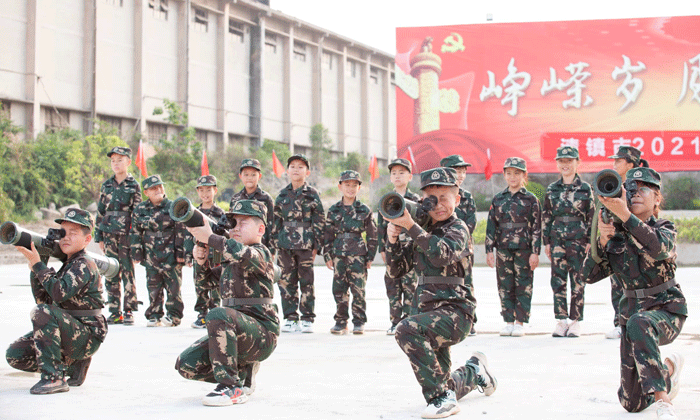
{"type": "Point", "coordinates": [250, 173]}
{"type": "Point", "coordinates": [514, 229]}
{"type": "Point", "coordinates": [345, 252]}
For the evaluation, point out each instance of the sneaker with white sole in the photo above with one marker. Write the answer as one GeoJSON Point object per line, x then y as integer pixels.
{"type": "Point", "coordinates": [613, 334]}
{"type": "Point", "coordinates": [664, 411]}
{"type": "Point", "coordinates": [392, 329]}
{"type": "Point", "coordinates": [153, 322]}
{"type": "Point", "coordinates": [167, 321]}
{"type": "Point", "coordinates": [677, 360]}
{"type": "Point", "coordinates": [339, 329]}
{"type": "Point", "coordinates": [224, 395]}
{"type": "Point", "coordinates": [486, 382]}
{"type": "Point", "coordinates": [561, 328]}
{"type": "Point", "coordinates": [358, 329]}
{"type": "Point", "coordinates": [574, 329]}
{"type": "Point", "coordinates": [518, 330]}
{"type": "Point", "coordinates": [307, 327]}
{"type": "Point", "coordinates": [290, 326]}
{"type": "Point", "coordinates": [444, 405]}
{"type": "Point", "coordinates": [200, 322]}
{"type": "Point", "coordinates": [507, 331]}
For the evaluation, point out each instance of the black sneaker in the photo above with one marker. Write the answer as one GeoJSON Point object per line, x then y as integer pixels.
{"type": "Point", "coordinates": [115, 318]}
{"type": "Point", "coordinates": [486, 383]}
{"type": "Point", "coordinates": [128, 318]}
{"type": "Point", "coordinates": [358, 329]}
{"type": "Point", "coordinates": [77, 371]}
{"type": "Point", "coordinates": [49, 386]}
{"type": "Point", "coordinates": [339, 329]}
{"type": "Point", "coordinates": [224, 395]}
{"type": "Point", "coordinates": [200, 322]}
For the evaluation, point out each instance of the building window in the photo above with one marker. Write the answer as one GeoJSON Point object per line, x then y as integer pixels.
{"type": "Point", "coordinates": [201, 20]}
{"type": "Point", "coordinates": [351, 69]}
{"type": "Point", "coordinates": [119, 3]}
{"type": "Point", "coordinates": [327, 60]}
{"type": "Point", "coordinates": [156, 132]}
{"type": "Point", "coordinates": [236, 30]}
{"type": "Point", "coordinates": [56, 119]}
{"type": "Point", "coordinates": [201, 137]}
{"type": "Point", "coordinates": [271, 43]}
{"type": "Point", "coordinates": [374, 76]}
{"type": "Point", "coordinates": [112, 121]}
{"type": "Point", "coordinates": [159, 8]}
{"type": "Point", "coordinates": [299, 51]}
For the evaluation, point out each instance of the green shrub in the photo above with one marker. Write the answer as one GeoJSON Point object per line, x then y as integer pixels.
{"type": "Point", "coordinates": [688, 230]}
{"type": "Point", "coordinates": [479, 234]}
{"type": "Point", "coordinates": [537, 189]}
{"type": "Point", "coordinates": [682, 194]}
{"type": "Point", "coordinates": [483, 202]}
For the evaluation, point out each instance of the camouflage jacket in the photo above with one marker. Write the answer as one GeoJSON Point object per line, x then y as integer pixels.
{"type": "Point", "coordinates": [122, 197]}
{"type": "Point", "coordinates": [441, 250]}
{"type": "Point", "coordinates": [248, 273]}
{"type": "Point", "coordinates": [521, 207]}
{"type": "Point", "coordinates": [263, 197]}
{"type": "Point", "coordinates": [299, 219]}
{"type": "Point", "coordinates": [344, 228]}
{"type": "Point", "coordinates": [214, 212]}
{"type": "Point", "coordinates": [76, 285]}
{"type": "Point", "coordinates": [567, 200]}
{"type": "Point", "coordinates": [466, 212]}
{"type": "Point", "coordinates": [382, 223]}
{"type": "Point", "coordinates": [155, 236]}
{"type": "Point", "coordinates": [642, 255]}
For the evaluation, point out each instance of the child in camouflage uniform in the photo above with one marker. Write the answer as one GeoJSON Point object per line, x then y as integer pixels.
{"type": "Point", "coordinates": [297, 236]}
{"type": "Point", "coordinates": [567, 212]}
{"type": "Point", "coordinates": [244, 330]}
{"type": "Point", "coordinates": [157, 242]}
{"type": "Point", "coordinates": [400, 291]}
{"type": "Point", "coordinates": [119, 195]}
{"type": "Point", "coordinates": [445, 303]}
{"type": "Point", "coordinates": [250, 174]}
{"type": "Point", "coordinates": [68, 323]}
{"type": "Point", "coordinates": [514, 229]}
{"type": "Point", "coordinates": [642, 252]}
{"type": "Point", "coordinates": [206, 276]}
{"type": "Point", "coordinates": [348, 253]}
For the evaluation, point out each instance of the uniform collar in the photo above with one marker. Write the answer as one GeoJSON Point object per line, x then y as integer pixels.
{"type": "Point", "coordinates": [576, 182]}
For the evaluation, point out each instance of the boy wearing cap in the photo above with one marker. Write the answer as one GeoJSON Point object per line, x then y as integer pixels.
{"type": "Point", "coordinates": [445, 303]}
{"type": "Point", "coordinates": [567, 213]}
{"type": "Point", "coordinates": [68, 323]}
{"type": "Point", "coordinates": [348, 253]}
{"type": "Point", "coordinates": [400, 291]}
{"type": "Point", "coordinates": [250, 174]}
{"type": "Point", "coordinates": [244, 330]}
{"type": "Point", "coordinates": [297, 236]}
{"type": "Point", "coordinates": [119, 195]}
{"type": "Point", "coordinates": [206, 276]}
{"type": "Point", "coordinates": [157, 242]}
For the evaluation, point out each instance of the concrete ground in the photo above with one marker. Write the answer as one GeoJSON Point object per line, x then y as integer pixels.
{"type": "Point", "coordinates": [320, 376]}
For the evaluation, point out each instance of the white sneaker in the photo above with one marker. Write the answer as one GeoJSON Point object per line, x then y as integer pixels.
{"type": "Point", "coordinates": [486, 382]}
{"type": "Point", "coordinates": [167, 321]}
{"type": "Point", "coordinates": [614, 333]}
{"type": "Point", "coordinates": [664, 411]}
{"type": "Point", "coordinates": [224, 395]}
{"type": "Point", "coordinates": [574, 329]}
{"type": "Point", "coordinates": [518, 330]}
{"type": "Point", "coordinates": [442, 406]}
{"type": "Point", "coordinates": [677, 360]}
{"type": "Point", "coordinates": [290, 325]}
{"type": "Point", "coordinates": [561, 328]}
{"type": "Point", "coordinates": [307, 327]}
{"type": "Point", "coordinates": [153, 322]}
{"type": "Point", "coordinates": [507, 331]}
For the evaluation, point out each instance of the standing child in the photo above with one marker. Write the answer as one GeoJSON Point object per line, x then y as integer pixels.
{"type": "Point", "coordinates": [206, 276]}
{"type": "Point", "coordinates": [514, 230]}
{"type": "Point", "coordinates": [348, 254]}
{"type": "Point", "coordinates": [400, 291]}
{"type": "Point", "coordinates": [250, 174]}
{"type": "Point", "coordinates": [157, 242]}
{"type": "Point", "coordinates": [297, 236]}
{"type": "Point", "coordinates": [119, 195]}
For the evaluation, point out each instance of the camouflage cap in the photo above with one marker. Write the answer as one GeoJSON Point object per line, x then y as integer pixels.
{"type": "Point", "coordinates": [631, 153]}
{"type": "Point", "coordinates": [250, 208]}
{"type": "Point", "coordinates": [403, 162]}
{"type": "Point", "coordinates": [350, 176]}
{"type": "Point", "coordinates": [78, 216]}
{"type": "Point", "coordinates": [250, 163]}
{"type": "Point", "coordinates": [151, 181]}
{"type": "Point", "coordinates": [206, 181]}
{"type": "Point", "coordinates": [120, 150]}
{"type": "Point", "coordinates": [646, 175]}
{"type": "Point", "coordinates": [567, 152]}
{"type": "Point", "coordinates": [300, 157]}
{"type": "Point", "coordinates": [439, 177]}
{"type": "Point", "coordinates": [515, 162]}
{"type": "Point", "coordinates": [454, 161]}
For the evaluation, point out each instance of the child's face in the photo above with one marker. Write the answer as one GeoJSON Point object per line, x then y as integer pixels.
{"type": "Point", "coordinates": [448, 198]}
{"type": "Point", "coordinates": [120, 163]}
{"type": "Point", "coordinates": [400, 176]}
{"type": "Point", "coordinates": [297, 171]}
{"type": "Point", "coordinates": [207, 193]}
{"type": "Point", "coordinates": [75, 240]}
{"type": "Point", "coordinates": [349, 189]}
{"type": "Point", "coordinates": [567, 166]}
{"type": "Point", "coordinates": [461, 174]}
{"type": "Point", "coordinates": [514, 177]}
{"type": "Point", "coordinates": [155, 194]}
{"type": "Point", "coordinates": [621, 166]}
{"type": "Point", "coordinates": [248, 230]}
{"type": "Point", "coordinates": [250, 177]}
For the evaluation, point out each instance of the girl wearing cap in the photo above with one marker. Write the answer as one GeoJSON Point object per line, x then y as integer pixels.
{"type": "Point", "coordinates": [513, 229]}
{"type": "Point", "coordinates": [642, 252]}
{"type": "Point", "coordinates": [567, 212]}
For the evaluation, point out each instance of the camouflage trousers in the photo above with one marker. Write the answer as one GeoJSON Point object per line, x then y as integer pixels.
{"type": "Point", "coordinates": [350, 272]}
{"type": "Point", "coordinates": [234, 341]}
{"type": "Point", "coordinates": [567, 260]}
{"type": "Point", "coordinates": [117, 246]}
{"type": "Point", "coordinates": [169, 280]}
{"type": "Point", "coordinates": [642, 371]}
{"type": "Point", "coordinates": [207, 288]}
{"type": "Point", "coordinates": [514, 283]}
{"type": "Point", "coordinates": [616, 293]}
{"type": "Point", "coordinates": [58, 339]}
{"type": "Point", "coordinates": [401, 293]}
{"type": "Point", "coordinates": [297, 272]}
{"type": "Point", "coordinates": [426, 339]}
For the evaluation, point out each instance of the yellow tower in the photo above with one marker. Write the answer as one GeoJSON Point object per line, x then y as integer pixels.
{"type": "Point", "coordinates": [426, 68]}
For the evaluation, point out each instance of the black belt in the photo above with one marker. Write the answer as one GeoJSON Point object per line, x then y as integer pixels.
{"type": "Point", "coordinates": [245, 301]}
{"type": "Point", "coordinates": [297, 224]}
{"type": "Point", "coordinates": [642, 293]}
{"type": "Point", "coordinates": [439, 280]}
{"type": "Point", "coordinates": [83, 312]}
{"type": "Point", "coordinates": [511, 225]}
{"type": "Point", "coordinates": [567, 219]}
{"type": "Point", "coordinates": [158, 234]}
{"type": "Point", "coordinates": [348, 235]}
{"type": "Point", "coordinates": [117, 213]}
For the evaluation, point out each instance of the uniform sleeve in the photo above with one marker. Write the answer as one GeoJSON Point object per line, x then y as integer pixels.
{"type": "Point", "coordinates": [399, 258]}
{"type": "Point", "coordinates": [371, 237]}
{"type": "Point", "coordinates": [136, 237]}
{"type": "Point", "coordinates": [101, 210]}
{"type": "Point", "coordinates": [251, 258]}
{"type": "Point", "coordinates": [180, 240]}
{"type": "Point", "coordinates": [491, 223]}
{"type": "Point", "coordinates": [318, 221]}
{"type": "Point", "coordinates": [270, 218]}
{"type": "Point", "coordinates": [188, 247]}
{"type": "Point", "coordinates": [547, 217]}
{"type": "Point", "coordinates": [440, 251]}
{"type": "Point", "coordinates": [593, 272]}
{"type": "Point", "coordinates": [276, 224]}
{"type": "Point", "coordinates": [329, 233]}
{"type": "Point", "coordinates": [136, 199]}
{"type": "Point", "coordinates": [381, 232]}
{"type": "Point", "coordinates": [471, 214]}
{"type": "Point", "coordinates": [590, 214]}
{"type": "Point", "coordinates": [659, 242]}
{"type": "Point", "coordinates": [64, 287]}
{"type": "Point", "coordinates": [536, 227]}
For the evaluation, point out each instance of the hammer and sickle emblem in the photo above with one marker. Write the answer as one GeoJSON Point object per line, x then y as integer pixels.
{"type": "Point", "coordinates": [453, 43]}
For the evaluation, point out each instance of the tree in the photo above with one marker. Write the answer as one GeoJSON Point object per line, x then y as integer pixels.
{"type": "Point", "coordinates": [321, 143]}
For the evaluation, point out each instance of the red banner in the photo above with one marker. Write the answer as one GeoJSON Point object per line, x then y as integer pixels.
{"type": "Point", "coordinates": [524, 89]}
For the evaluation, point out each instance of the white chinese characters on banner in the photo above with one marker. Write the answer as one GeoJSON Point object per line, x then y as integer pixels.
{"type": "Point", "coordinates": [570, 142]}
{"type": "Point", "coordinates": [631, 87]}
{"type": "Point", "coordinates": [595, 146]}
{"type": "Point", "coordinates": [514, 84]}
{"type": "Point", "coordinates": [575, 85]}
{"type": "Point", "coordinates": [694, 83]}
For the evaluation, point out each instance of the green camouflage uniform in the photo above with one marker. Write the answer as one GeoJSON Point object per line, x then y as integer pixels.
{"type": "Point", "coordinates": [445, 304]}
{"type": "Point", "coordinates": [266, 199]}
{"type": "Point", "coordinates": [114, 208]}
{"type": "Point", "coordinates": [242, 332]}
{"type": "Point", "coordinates": [297, 230]}
{"type": "Point", "coordinates": [567, 213]}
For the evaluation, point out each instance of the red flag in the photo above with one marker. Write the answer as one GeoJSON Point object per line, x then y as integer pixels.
{"type": "Point", "coordinates": [412, 159]}
{"type": "Point", "coordinates": [373, 168]}
{"type": "Point", "coordinates": [488, 171]}
{"type": "Point", "coordinates": [205, 164]}
{"type": "Point", "coordinates": [277, 167]}
{"type": "Point", "coordinates": [141, 160]}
